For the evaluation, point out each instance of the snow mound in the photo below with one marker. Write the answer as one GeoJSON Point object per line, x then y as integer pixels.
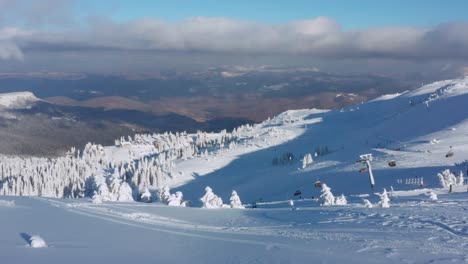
{"type": "Point", "coordinates": [17, 100]}
{"type": "Point", "coordinates": [37, 242]}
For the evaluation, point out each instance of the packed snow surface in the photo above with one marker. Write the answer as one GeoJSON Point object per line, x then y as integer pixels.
{"type": "Point", "coordinates": [289, 190]}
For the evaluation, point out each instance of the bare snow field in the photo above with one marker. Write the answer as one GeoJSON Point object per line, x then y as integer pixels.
{"type": "Point", "coordinates": [299, 176]}
{"type": "Point", "coordinates": [413, 230]}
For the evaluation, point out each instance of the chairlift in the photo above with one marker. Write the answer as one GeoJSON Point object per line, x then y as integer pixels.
{"type": "Point", "coordinates": [318, 184]}
{"type": "Point", "coordinates": [392, 163]}
{"type": "Point", "coordinates": [362, 169]}
{"type": "Point", "coordinates": [297, 193]}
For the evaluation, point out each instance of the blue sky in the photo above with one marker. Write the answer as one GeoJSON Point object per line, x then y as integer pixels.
{"type": "Point", "coordinates": [350, 14]}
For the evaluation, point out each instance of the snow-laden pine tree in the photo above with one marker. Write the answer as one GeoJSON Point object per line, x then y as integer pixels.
{"type": "Point", "coordinates": [460, 179]}
{"type": "Point", "coordinates": [211, 200]}
{"type": "Point", "coordinates": [307, 160]}
{"type": "Point", "coordinates": [94, 171]}
{"type": "Point", "coordinates": [304, 163]}
{"type": "Point", "coordinates": [367, 203]}
{"type": "Point", "coordinates": [327, 196]}
{"type": "Point", "coordinates": [176, 199]}
{"type": "Point", "coordinates": [164, 194]}
{"type": "Point", "coordinates": [384, 200]}
{"type": "Point", "coordinates": [447, 178]}
{"type": "Point", "coordinates": [125, 193]}
{"type": "Point", "coordinates": [433, 196]}
{"type": "Point", "coordinates": [236, 201]}
{"type": "Point", "coordinates": [102, 190]}
{"type": "Point", "coordinates": [146, 196]}
{"type": "Point", "coordinates": [341, 200]}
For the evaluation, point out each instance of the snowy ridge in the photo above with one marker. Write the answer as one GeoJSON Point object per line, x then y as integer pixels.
{"type": "Point", "coordinates": [17, 100]}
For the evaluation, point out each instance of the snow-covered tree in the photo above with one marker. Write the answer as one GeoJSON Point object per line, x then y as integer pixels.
{"type": "Point", "coordinates": [164, 194]}
{"type": "Point", "coordinates": [93, 171]}
{"type": "Point", "coordinates": [384, 200]}
{"type": "Point", "coordinates": [307, 160]}
{"type": "Point", "coordinates": [341, 200]}
{"type": "Point", "coordinates": [37, 242]}
{"type": "Point", "coordinates": [102, 190]}
{"type": "Point", "coordinates": [176, 199]}
{"type": "Point", "coordinates": [460, 179]}
{"type": "Point", "coordinates": [367, 203]}
{"type": "Point", "coordinates": [235, 201]}
{"type": "Point", "coordinates": [211, 200]}
{"type": "Point", "coordinates": [146, 196]}
{"type": "Point", "coordinates": [433, 196]}
{"type": "Point", "coordinates": [125, 193]}
{"type": "Point", "coordinates": [327, 196]}
{"type": "Point", "coordinates": [446, 178]}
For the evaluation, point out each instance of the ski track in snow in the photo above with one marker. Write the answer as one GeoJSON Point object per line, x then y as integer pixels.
{"type": "Point", "coordinates": [166, 225]}
{"type": "Point", "coordinates": [365, 229]}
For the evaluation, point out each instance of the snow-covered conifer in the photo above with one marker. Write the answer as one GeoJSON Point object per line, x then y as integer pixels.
{"type": "Point", "coordinates": [164, 194]}
{"type": "Point", "coordinates": [37, 242]}
{"type": "Point", "coordinates": [367, 203]}
{"type": "Point", "coordinates": [460, 179]}
{"type": "Point", "coordinates": [146, 196]}
{"type": "Point", "coordinates": [341, 200]}
{"type": "Point", "coordinates": [433, 196]}
{"type": "Point", "coordinates": [327, 196]}
{"type": "Point", "coordinates": [306, 160]}
{"type": "Point", "coordinates": [125, 193]}
{"type": "Point", "coordinates": [384, 200]}
{"type": "Point", "coordinates": [235, 201]}
{"type": "Point", "coordinates": [211, 200]}
{"type": "Point", "coordinates": [176, 199]}
{"type": "Point", "coordinates": [446, 178]}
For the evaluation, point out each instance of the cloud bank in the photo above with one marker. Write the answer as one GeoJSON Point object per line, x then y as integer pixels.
{"type": "Point", "coordinates": [320, 37]}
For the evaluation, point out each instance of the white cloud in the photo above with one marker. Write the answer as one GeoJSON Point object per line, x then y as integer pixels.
{"type": "Point", "coordinates": [320, 37]}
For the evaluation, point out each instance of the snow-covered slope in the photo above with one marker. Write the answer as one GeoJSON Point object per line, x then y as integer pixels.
{"type": "Point", "coordinates": [17, 100]}
{"type": "Point", "coordinates": [263, 162]}
{"type": "Point", "coordinates": [422, 132]}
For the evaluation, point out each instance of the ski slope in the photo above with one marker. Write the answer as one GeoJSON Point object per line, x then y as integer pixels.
{"type": "Point", "coordinates": [416, 129]}
{"type": "Point", "coordinates": [413, 230]}
{"type": "Point", "coordinates": [400, 129]}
